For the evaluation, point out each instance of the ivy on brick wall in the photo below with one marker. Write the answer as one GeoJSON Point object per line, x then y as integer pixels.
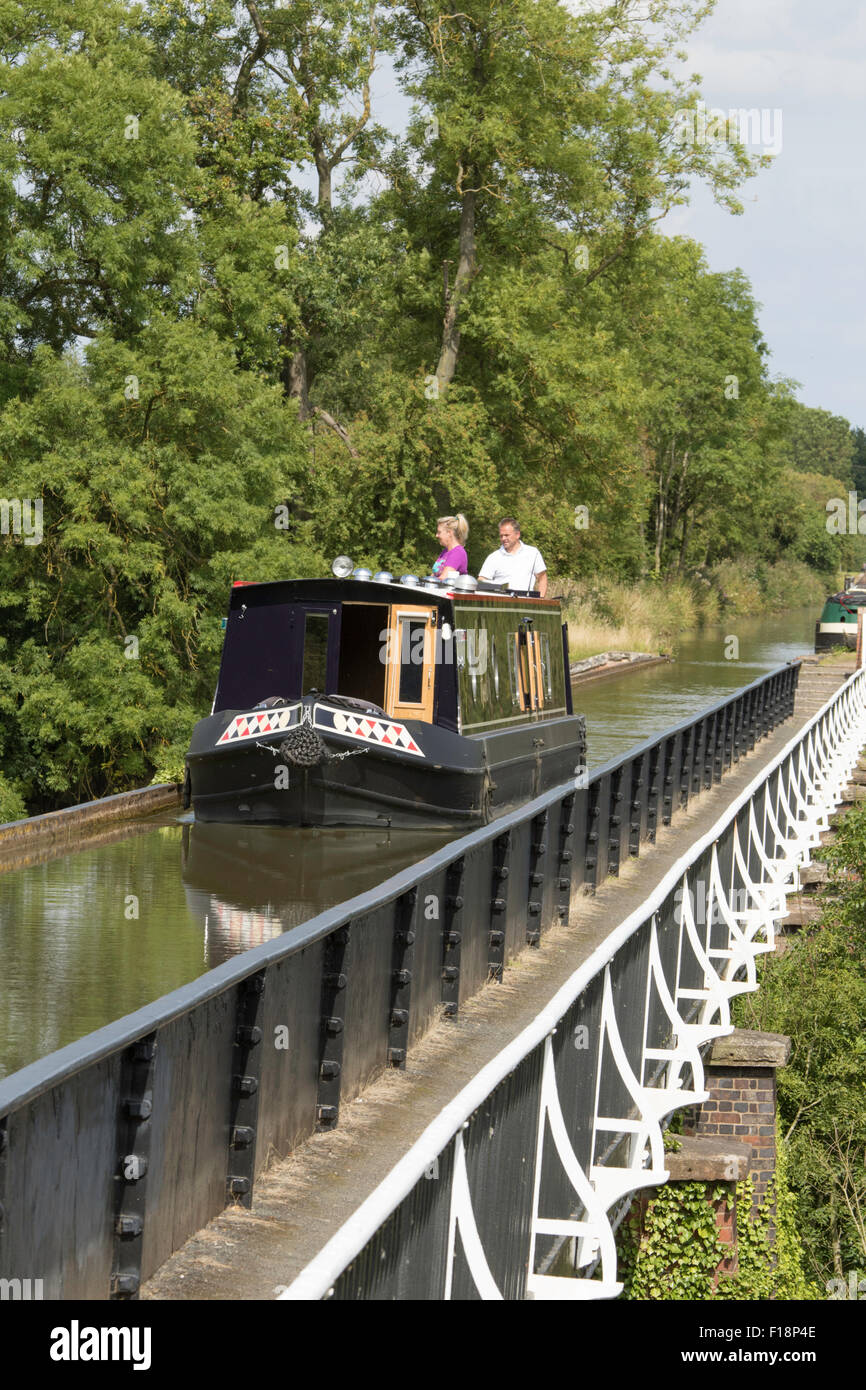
{"type": "Point", "coordinates": [669, 1247]}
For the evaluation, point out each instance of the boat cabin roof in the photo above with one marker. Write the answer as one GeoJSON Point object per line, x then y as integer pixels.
{"type": "Point", "coordinates": [369, 591]}
{"type": "Point", "coordinates": [475, 661]}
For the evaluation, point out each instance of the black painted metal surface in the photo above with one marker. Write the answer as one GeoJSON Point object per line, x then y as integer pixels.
{"type": "Point", "coordinates": [114, 1150]}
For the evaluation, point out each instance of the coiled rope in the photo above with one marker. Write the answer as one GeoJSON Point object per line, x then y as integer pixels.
{"type": "Point", "coordinates": [304, 747]}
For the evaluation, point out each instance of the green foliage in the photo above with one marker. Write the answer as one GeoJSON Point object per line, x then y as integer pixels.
{"type": "Point", "coordinates": [669, 1249]}
{"type": "Point", "coordinates": [673, 1251]}
{"type": "Point", "coordinates": [12, 805]}
{"type": "Point", "coordinates": [152, 505]}
{"type": "Point", "coordinates": [200, 322]}
{"type": "Point", "coordinates": [816, 993]}
{"type": "Point", "coordinates": [818, 442]}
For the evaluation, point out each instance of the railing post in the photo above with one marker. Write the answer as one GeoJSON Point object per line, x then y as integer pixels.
{"type": "Point", "coordinates": [537, 860]}
{"type": "Point", "coordinates": [752, 720]}
{"type": "Point", "coordinates": [655, 776]}
{"type": "Point", "coordinates": [638, 803]}
{"type": "Point", "coordinates": [402, 961]}
{"type": "Point", "coordinates": [699, 758]}
{"type": "Point", "coordinates": [565, 857]}
{"type": "Point", "coordinates": [452, 936]}
{"type": "Point", "coordinates": [686, 765]}
{"type": "Point", "coordinates": [710, 727]}
{"type": "Point", "coordinates": [499, 905]}
{"type": "Point", "coordinates": [246, 1075]}
{"type": "Point", "coordinates": [725, 752]}
{"type": "Point", "coordinates": [615, 818]}
{"type": "Point", "coordinates": [133, 1151]}
{"type": "Point", "coordinates": [719, 724]}
{"type": "Point", "coordinates": [597, 830]}
{"type": "Point", "coordinates": [336, 960]}
{"type": "Point", "coordinates": [671, 779]}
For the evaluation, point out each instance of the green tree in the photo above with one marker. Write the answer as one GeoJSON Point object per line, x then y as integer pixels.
{"type": "Point", "coordinates": [152, 505]}
{"type": "Point", "coordinates": [819, 442]}
{"type": "Point", "coordinates": [816, 993]}
{"type": "Point", "coordinates": [94, 155]}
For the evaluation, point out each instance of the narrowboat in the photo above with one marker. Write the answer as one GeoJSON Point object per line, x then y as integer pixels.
{"type": "Point", "coordinates": [364, 701]}
{"type": "Point", "coordinates": [837, 625]}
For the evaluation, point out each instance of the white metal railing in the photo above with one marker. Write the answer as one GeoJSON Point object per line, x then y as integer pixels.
{"type": "Point", "coordinates": [767, 835]}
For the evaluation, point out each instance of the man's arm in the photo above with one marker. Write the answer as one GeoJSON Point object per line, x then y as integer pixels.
{"type": "Point", "coordinates": [488, 570]}
{"type": "Point", "coordinates": [541, 583]}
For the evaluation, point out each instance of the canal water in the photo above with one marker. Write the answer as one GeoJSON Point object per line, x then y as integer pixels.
{"type": "Point", "coordinates": [89, 936]}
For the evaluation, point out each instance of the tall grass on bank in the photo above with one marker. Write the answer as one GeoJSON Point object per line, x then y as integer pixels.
{"type": "Point", "coordinates": [650, 616]}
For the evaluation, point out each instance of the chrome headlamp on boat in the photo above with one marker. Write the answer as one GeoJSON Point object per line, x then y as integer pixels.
{"type": "Point", "coordinates": [342, 567]}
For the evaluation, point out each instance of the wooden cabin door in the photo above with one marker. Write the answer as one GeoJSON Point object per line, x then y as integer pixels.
{"type": "Point", "coordinates": [529, 670]}
{"type": "Point", "coordinates": [411, 649]}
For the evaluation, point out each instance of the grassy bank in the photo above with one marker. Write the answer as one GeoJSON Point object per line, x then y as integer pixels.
{"type": "Point", "coordinates": [652, 615]}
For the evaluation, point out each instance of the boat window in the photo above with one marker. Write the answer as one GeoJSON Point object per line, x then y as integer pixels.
{"type": "Point", "coordinates": [315, 653]}
{"type": "Point", "coordinates": [412, 653]}
{"type": "Point", "coordinates": [530, 668]}
{"type": "Point", "coordinates": [476, 652]}
{"type": "Point", "coordinates": [410, 658]}
{"type": "Point", "coordinates": [546, 669]}
{"type": "Point", "coordinates": [514, 670]}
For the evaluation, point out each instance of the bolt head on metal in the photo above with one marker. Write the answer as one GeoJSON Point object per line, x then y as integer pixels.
{"type": "Point", "coordinates": [124, 1285]}
{"type": "Point", "coordinates": [248, 1036]}
{"type": "Point", "coordinates": [129, 1225]}
{"type": "Point", "coordinates": [139, 1109]}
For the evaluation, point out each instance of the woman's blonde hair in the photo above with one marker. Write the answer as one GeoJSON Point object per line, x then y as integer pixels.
{"type": "Point", "coordinates": [458, 524]}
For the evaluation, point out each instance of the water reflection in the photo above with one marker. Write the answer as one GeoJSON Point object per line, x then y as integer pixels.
{"type": "Point", "coordinates": [88, 936]}
{"type": "Point", "coordinates": [248, 884]}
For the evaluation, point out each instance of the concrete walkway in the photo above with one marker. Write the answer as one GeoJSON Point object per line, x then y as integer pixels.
{"type": "Point", "coordinates": [302, 1199]}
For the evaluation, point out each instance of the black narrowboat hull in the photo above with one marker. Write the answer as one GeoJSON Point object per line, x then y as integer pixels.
{"type": "Point", "coordinates": [310, 762]}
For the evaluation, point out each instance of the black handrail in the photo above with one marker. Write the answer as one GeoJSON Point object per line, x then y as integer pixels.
{"type": "Point", "coordinates": [153, 1122]}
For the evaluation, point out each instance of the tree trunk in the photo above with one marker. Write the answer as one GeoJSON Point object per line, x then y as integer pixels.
{"type": "Point", "coordinates": [467, 269]}
{"type": "Point", "coordinates": [660, 527]}
{"type": "Point", "coordinates": [687, 519]}
{"type": "Point", "coordinates": [297, 383]}
{"type": "Point", "coordinates": [324, 171]}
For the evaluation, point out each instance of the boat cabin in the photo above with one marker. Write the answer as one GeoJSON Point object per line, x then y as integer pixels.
{"type": "Point", "coordinates": [473, 663]}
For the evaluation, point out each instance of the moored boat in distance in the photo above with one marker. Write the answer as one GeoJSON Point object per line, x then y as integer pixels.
{"type": "Point", "coordinates": [837, 625]}
{"type": "Point", "coordinates": [363, 701]}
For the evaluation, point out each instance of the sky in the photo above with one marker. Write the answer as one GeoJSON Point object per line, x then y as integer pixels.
{"type": "Point", "coordinates": [802, 237]}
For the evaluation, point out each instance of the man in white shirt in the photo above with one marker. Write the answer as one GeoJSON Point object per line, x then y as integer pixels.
{"type": "Point", "coordinates": [521, 566]}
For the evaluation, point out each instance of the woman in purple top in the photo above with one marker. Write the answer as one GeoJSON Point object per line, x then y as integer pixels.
{"type": "Point", "coordinates": [451, 533]}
